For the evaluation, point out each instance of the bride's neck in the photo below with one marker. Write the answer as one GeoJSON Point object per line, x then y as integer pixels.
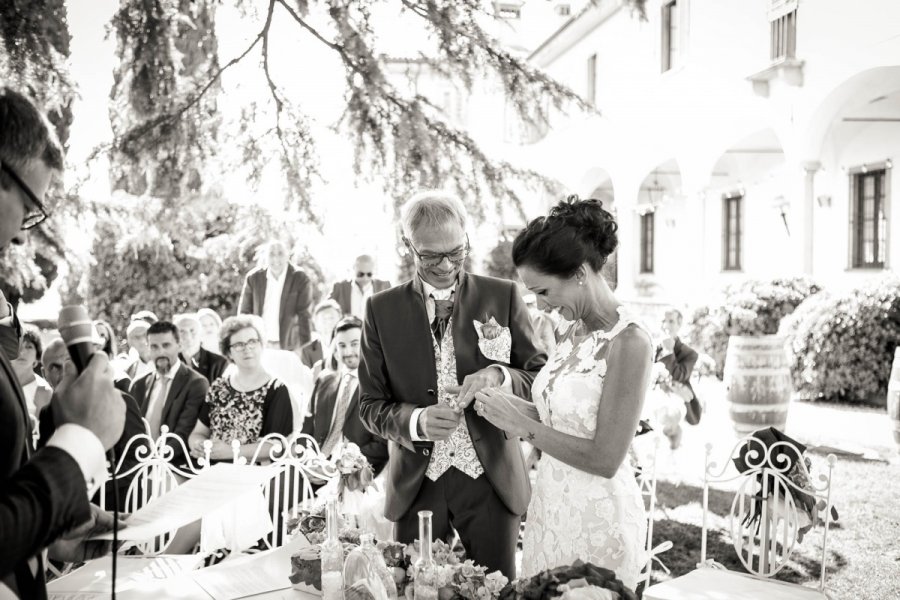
{"type": "Point", "coordinates": [602, 317]}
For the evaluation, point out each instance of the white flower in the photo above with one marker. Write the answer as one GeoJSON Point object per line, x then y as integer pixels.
{"type": "Point", "coordinates": [589, 592]}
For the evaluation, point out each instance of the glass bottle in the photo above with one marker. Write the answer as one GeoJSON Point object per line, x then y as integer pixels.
{"type": "Point", "coordinates": [425, 586]}
{"type": "Point", "coordinates": [332, 555]}
{"type": "Point", "coordinates": [376, 558]}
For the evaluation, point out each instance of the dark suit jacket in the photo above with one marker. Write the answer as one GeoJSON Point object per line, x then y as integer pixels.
{"type": "Point", "coordinates": [324, 397]}
{"type": "Point", "coordinates": [209, 364]}
{"type": "Point", "coordinates": [680, 365]}
{"type": "Point", "coordinates": [294, 326]}
{"type": "Point", "coordinates": [398, 375]}
{"type": "Point", "coordinates": [183, 401]}
{"type": "Point", "coordinates": [343, 290]}
{"type": "Point", "coordinates": [311, 353]}
{"type": "Point", "coordinates": [42, 494]}
{"type": "Point", "coordinates": [133, 426]}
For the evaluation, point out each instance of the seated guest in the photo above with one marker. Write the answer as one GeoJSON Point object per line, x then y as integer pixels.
{"type": "Point", "coordinates": [351, 294]}
{"type": "Point", "coordinates": [105, 341]}
{"type": "Point", "coordinates": [207, 363]}
{"type": "Point", "coordinates": [139, 349]}
{"type": "Point", "coordinates": [210, 324]}
{"type": "Point", "coordinates": [325, 316]}
{"type": "Point", "coordinates": [54, 359]}
{"type": "Point", "coordinates": [245, 404]}
{"type": "Point", "coordinates": [173, 394]}
{"type": "Point", "coordinates": [37, 390]}
{"type": "Point", "coordinates": [335, 401]}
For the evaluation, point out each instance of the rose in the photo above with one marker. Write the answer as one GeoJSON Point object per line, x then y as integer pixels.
{"type": "Point", "coordinates": [494, 582]}
{"type": "Point", "coordinates": [589, 592]}
{"type": "Point", "coordinates": [491, 330]}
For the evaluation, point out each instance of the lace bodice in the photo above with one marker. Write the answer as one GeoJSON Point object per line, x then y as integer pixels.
{"type": "Point", "coordinates": [567, 390]}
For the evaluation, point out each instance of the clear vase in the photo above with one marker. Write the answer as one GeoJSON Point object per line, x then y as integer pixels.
{"type": "Point", "coordinates": [425, 585]}
{"type": "Point", "coordinates": [376, 558]}
{"type": "Point", "coordinates": [332, 556]}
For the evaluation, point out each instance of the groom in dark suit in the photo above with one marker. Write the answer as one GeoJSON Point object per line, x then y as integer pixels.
{"type": "Point", "coordinates": [422, 363]}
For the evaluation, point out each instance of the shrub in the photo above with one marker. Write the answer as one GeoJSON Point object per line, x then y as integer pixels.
{"type": "Point", "coordinates": [752, 307]}
{"type": "Point", "coordinates": [842, 346]}
{"type": "Point", "coordinates": [499, 262]}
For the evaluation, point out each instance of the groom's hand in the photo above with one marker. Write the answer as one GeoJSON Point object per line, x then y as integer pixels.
{"type": "Point", "coordinates": [489, 377]}
{"type": "Point", "coordinates": [438, 422]}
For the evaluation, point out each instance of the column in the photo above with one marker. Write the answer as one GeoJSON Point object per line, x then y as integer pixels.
{"type": "Point", "coordinates": [810, 168]}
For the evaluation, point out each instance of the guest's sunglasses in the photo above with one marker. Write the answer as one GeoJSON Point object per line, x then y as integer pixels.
{"type": "Point", "coordinates": [363, 274]}
{"type": "Point", "coordinates": [36, 213]}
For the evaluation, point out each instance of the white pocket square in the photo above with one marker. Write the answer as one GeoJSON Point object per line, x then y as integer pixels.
{"type": "Point", "coordinates": [494, 340]}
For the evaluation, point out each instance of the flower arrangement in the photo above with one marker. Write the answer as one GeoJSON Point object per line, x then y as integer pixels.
{"type": "Point", "coordinates": [578, 581]}
{"type": "Point", "coordinates": [356, 472]}
{"type": "Point", "coordinates": [458, 578]}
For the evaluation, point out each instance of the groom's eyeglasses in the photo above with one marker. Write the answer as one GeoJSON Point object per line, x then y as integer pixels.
{"type": "Point", "coordinates": [432, 260]}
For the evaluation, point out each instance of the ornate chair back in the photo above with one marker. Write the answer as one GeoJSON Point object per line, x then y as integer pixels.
{"type": "Point", "coordinates": [764, 519]}
{"type": "Point", "coordinates": [302, 469]}
{"type": "Point", "coordinates": [154, 471]}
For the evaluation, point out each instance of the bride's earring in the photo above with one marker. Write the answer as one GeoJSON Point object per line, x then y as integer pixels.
{"type": "Point", "coordinates": [580, 282]}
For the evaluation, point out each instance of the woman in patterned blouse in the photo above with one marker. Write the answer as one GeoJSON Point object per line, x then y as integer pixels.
{"type": "Point", "coordinates": [246, 403]}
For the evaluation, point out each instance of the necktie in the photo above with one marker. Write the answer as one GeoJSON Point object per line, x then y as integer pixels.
{"type": "Point", "coordinates": [340, 415]}
{"type": "Point", "coordinates": [154, 417]}
{"type": "Point", "coordinates": [443, 309]}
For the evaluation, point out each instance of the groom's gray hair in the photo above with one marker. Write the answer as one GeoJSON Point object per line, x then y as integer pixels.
{"type": "Point", "coordinates": [431, 208]}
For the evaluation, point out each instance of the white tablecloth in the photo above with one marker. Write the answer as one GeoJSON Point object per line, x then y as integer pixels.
{"type": "Point", "coordinates": [718, 584]}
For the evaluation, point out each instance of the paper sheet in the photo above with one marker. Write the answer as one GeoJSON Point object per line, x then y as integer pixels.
{"type": "Point", "coordinates": [131, 572]}
{"type": "Point", "coordinates": [250, 575]}
{"type": "Point", "coordinates": [213, 488]}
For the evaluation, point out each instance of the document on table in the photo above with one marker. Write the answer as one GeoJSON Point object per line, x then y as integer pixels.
{"type": "Point", "coordinates": [95, 577]}
{"type": "Point", "coordinates": [213, 488]}
{"type": "Point", "coordinates": [250, 575]}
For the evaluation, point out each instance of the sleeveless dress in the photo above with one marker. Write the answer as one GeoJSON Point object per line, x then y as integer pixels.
{"type": "Point", "coordinates": [574, 514]}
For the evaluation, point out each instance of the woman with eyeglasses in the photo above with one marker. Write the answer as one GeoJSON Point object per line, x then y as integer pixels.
{"type": "Point", "coordinates": [244, 404]}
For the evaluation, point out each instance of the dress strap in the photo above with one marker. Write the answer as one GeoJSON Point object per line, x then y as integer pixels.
{"type": "Point", "coordinates": [626, 317]}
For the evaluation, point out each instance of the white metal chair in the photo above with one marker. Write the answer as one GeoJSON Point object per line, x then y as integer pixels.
{"type": "Point", "coordinates": [764, 523]}
{"type": "Point", "coordinates": [646, 479]}
{"type": "Point", "coordinates": [299, 461]}
{"type": "Point", "coordinates": [153, 474]}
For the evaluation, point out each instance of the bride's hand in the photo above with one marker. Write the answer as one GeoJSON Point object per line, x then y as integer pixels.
{"type": "Point", "coordinates": [505, 411]}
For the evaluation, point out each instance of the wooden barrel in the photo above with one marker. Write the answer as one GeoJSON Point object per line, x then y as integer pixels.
{"type": "Point", "coordinates": [757, 382]}
{"type": "Point", "coordinates": [893, 398]}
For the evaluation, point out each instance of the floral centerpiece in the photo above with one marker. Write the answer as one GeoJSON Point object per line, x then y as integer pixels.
{"type": "Point", "coordinates": [458, 578]}
{"type": "Point", "coordinates": [578, 581]}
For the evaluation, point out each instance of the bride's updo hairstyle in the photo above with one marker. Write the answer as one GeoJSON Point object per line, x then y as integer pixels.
{"type": "Point", "coordinates": [574, 233]}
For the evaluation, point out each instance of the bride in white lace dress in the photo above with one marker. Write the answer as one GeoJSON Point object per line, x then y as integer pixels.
{"type": "Point", "coordinates": [586, 503]}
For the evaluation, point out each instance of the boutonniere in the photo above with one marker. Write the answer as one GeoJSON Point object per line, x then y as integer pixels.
{"type": "Point", "coordinates": [494, 340]}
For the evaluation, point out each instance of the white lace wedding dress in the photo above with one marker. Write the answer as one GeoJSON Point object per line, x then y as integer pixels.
{"type": "Point", "coordinates": [573, 514]}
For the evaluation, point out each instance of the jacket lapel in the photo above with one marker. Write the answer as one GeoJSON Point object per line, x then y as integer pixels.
{"type": "Point", "coordinates": [463, 329]}
{"type": "Point", "coordinates": [288, 283]}
{"type": "Point", "coordinates": [178, 383]}
{"type": "Point", "coordinates": [325, 407]}
{"type": "Point", "coordinates": [20, 400]}
{"type": "Point", "coordinates": [259, 291]}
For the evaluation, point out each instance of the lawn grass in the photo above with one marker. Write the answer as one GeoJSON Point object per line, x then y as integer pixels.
{"type": "Point", "coordinates": [863, 546]}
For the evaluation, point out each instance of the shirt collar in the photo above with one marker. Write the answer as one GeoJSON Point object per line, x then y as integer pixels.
{"type": "Point", "coordinates": [170, 374]}
{"type": "Point", "coordinates": [428, 289]}
{"type": "Point", "coordinates": [279, 279]}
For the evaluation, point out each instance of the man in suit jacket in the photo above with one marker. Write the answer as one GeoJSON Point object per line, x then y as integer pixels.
{"type": "Point", "coordinates": [679, 360]}
{"type": "Point", "coordinates": [173, 394]}
{"type": "Point", "coordinates": [325, 316]}
{"type": "Point", "coordinates": [351, 294]}
{"type": "Point", "coordinates": [139, 349]}
{"type": "Point", "coordinates": [53, 361]}
{"type": "Point", "coordinates": [280, 293]}
{"type": "Point", "coordinates": [209, 364]}
{"type": "Point", "coordinates": [44, 494]}
{"type": "Point", "coordinates": [335, 401]}
{"type": "Point", "coordinates": [421, 366]}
